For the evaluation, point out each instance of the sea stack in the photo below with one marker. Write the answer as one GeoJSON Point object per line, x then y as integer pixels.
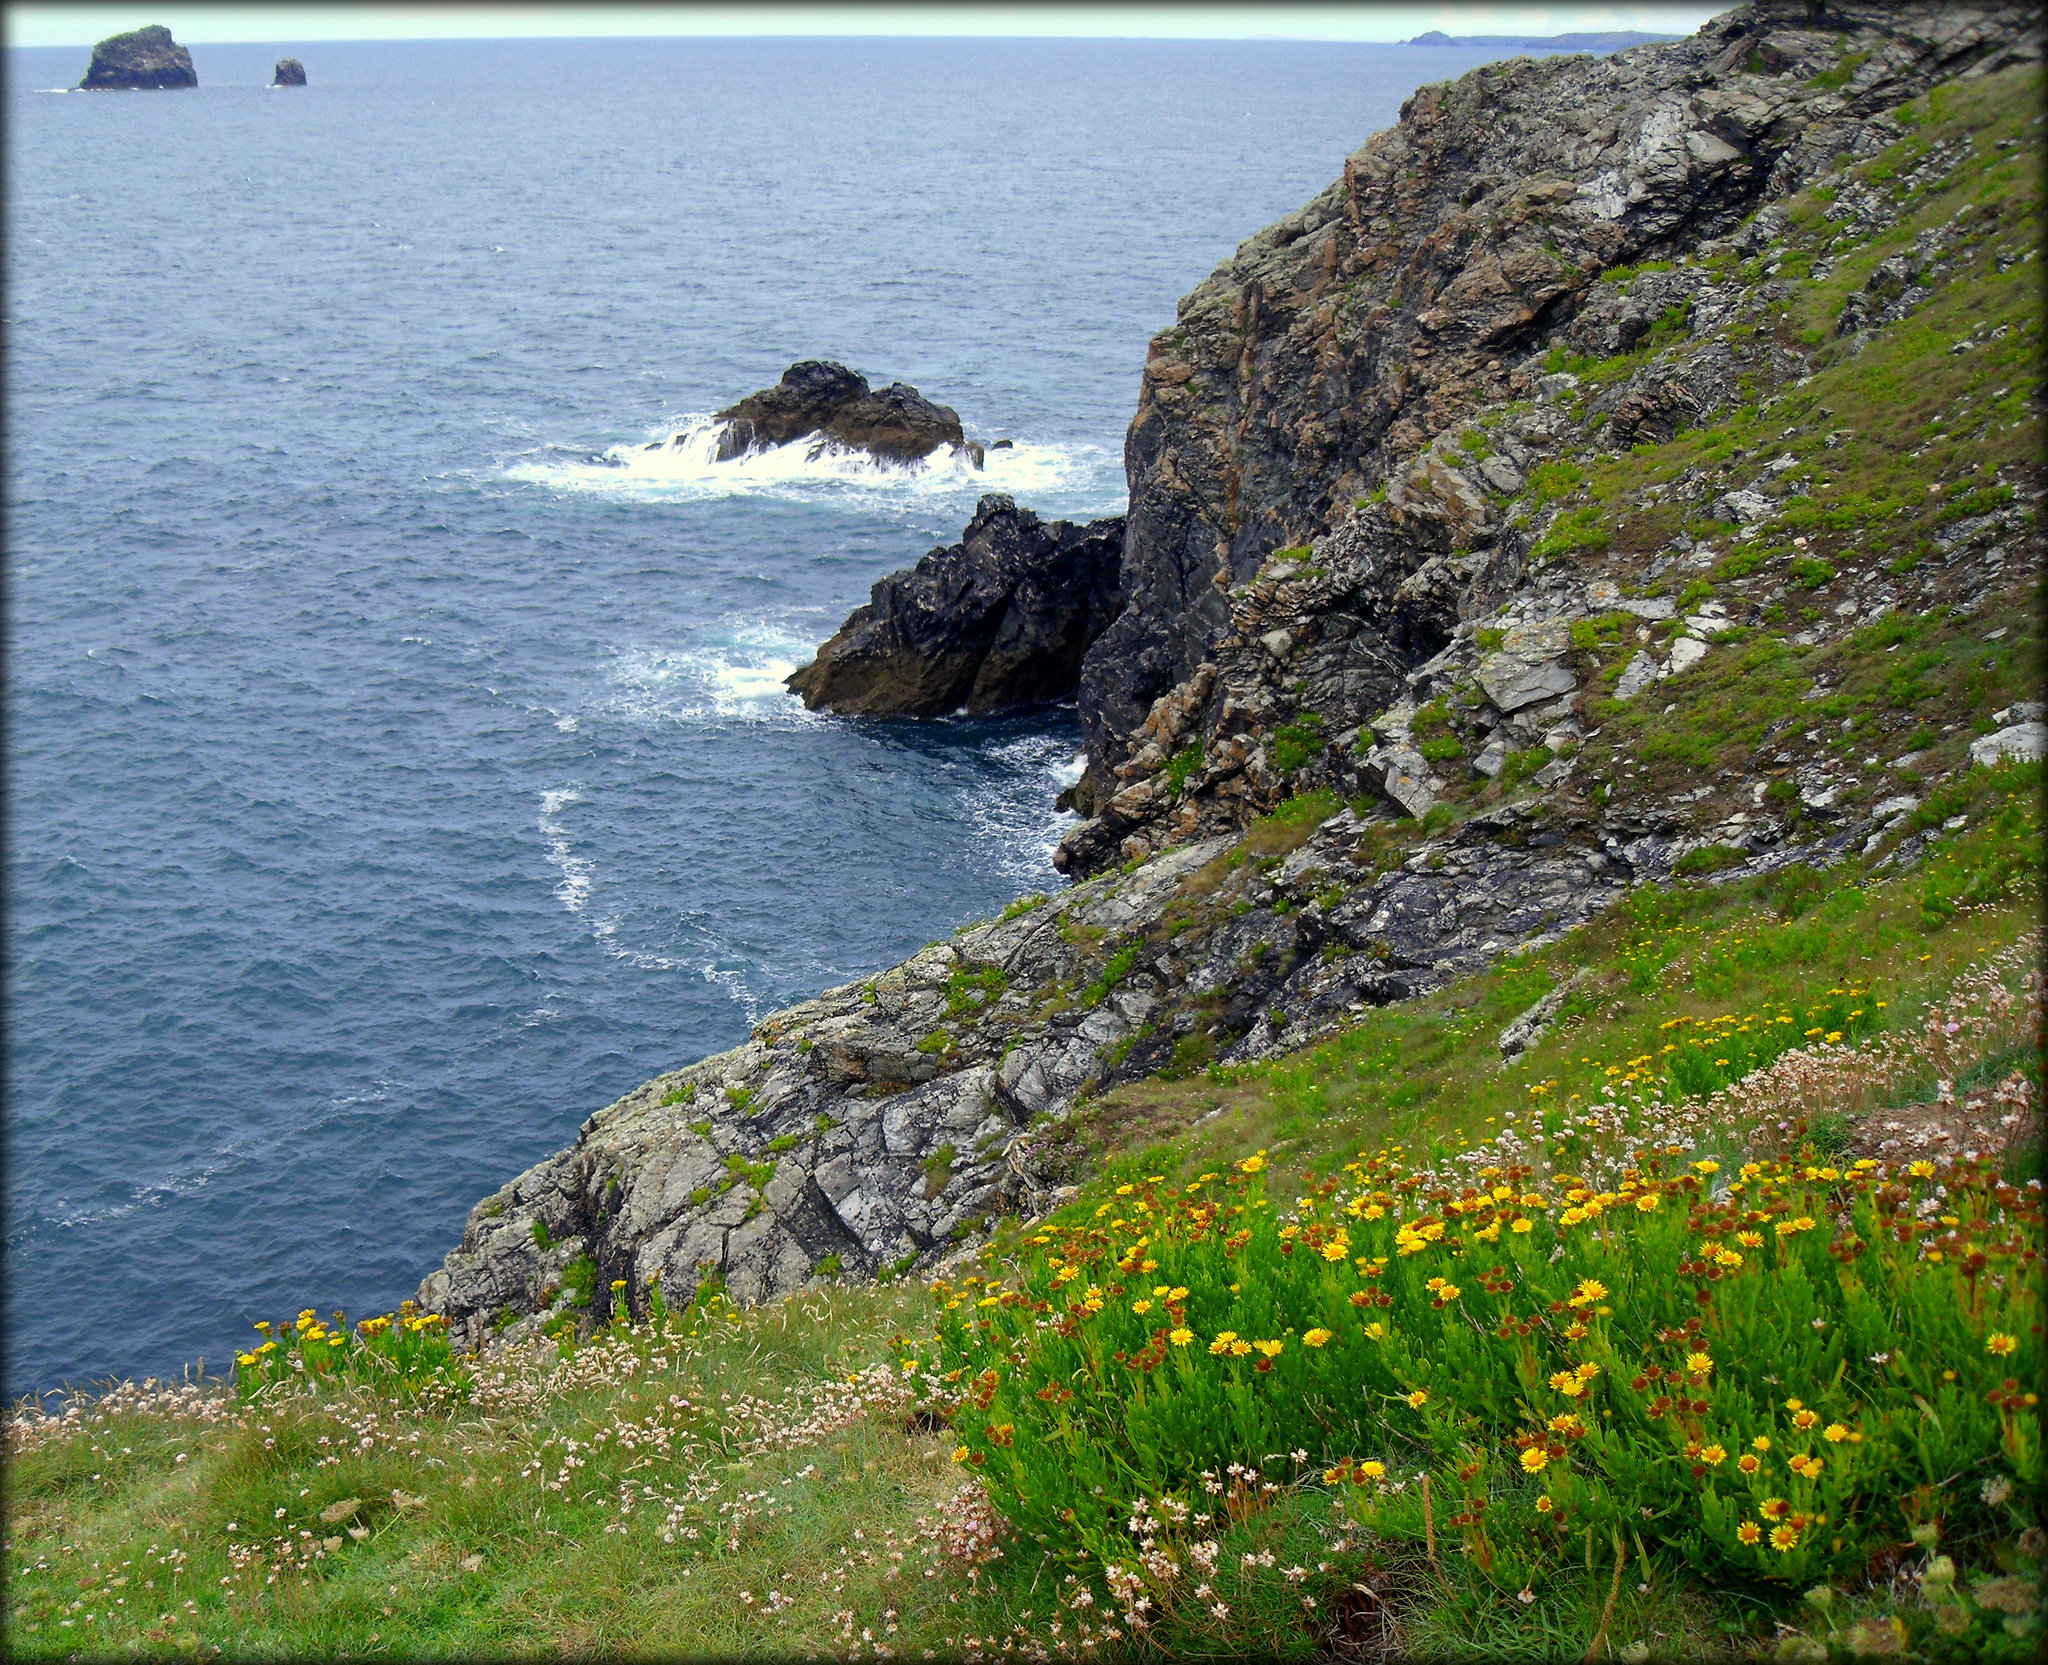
{"type": "Point", "coordinates": [290, 73]}
{"type": "Point", "coordinates": [895, 424]}
{"type": "Point", "coordinates": [140, 58]}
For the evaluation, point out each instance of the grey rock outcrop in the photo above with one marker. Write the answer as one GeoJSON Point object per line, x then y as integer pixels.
{"type": "Point", "coordinates": [818, 398]}
{"type": "Point", "coordinates": [142, 58]}
{"type": "Point", "coordinates": [290, 73]}
{"type": "Point", "coordinates": [999, 619]}
{"type": "Point", "coordinates": [1310, 368]}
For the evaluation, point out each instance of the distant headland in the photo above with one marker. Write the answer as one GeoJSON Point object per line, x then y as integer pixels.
{"type": "Point", "coordinates": [1603, 41]}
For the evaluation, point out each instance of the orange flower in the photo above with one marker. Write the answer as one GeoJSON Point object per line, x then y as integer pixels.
{"type": "Point", "coordinates": [2003, 1345]}
{"type": "Point", "coordinates": [1784, 1539]}
{"type": "Point", "coordinates": [1749, 1532]}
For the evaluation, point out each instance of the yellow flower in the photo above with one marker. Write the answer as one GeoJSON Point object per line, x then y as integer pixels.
{"type": "Point", "coordinates": [1707, 1167]}
{"type": "Point", "coordinates": [1141, 1307]}
{"type": "Point", "coordinates": [1648, 1201]}
{"type": "Point", "coordinates": [1713, 1455]}
{"type": "Point", "coordinates": [1835, 1433]}
{"type": "Point", "coordinates": [1418, 1399]}
{"type": "Point", "coordinates": [960, 1456]}
{"type": "Point", "coordinates": [1535, 1460]}
{"type": "Point", "coordinates": [1315, 1338]}
{"type": "Point", "coordinates": [1784, 1539]}
{"type": "Point", "coordinates": [1373, 1471]}
{"type": "Point", "coordinates": [2003, 1345]}
{"type": "Point", "coordinates": [1807, 1468]}
{"type": "Point", "coordinates": [1589, 1290]}
{"type": "Point", "coordinates": [1699, 1364]}
{"type": "Point", "coordinates": [1270, 1348]}
{"type": "Point", "coordinates": [1728, 1257]}
{"type": "Point", "coordinates": [1252, 1164]}
{"type": "Point", "coordinates": [245, 1358]}
{"type": "Point", "coordinates": [1222, 1342]}
{"type": "Point", "coordinates": [1566, 1423]}
{"type": "Point", "coordinates": [1921, 1170]}
{"type": "Point", "coordinates": [1449, 1292]}
{"type": "Point", "coordinates": [1587, 1371]}
{"type": "Point", "coordinates": [1806, 1419]}
{"type": "Point", "coordinates": [1749, 1532]}
{"type": "Point", "coordinates": [1520, 1226]}
{"type": "Point", "coordinates": [1376, 1331]}
{"type": "Point", "coordinates": [1762, 1442]}
{"type": "Point", "coordinates": [1750, 1239]}
{"type": "Point", "coordinates": [1748, 1464]}
{"type": "Point", "coordinates": [1566, 1383]}
{"type": "Point", "coordinates": [1238, 1349]}
{"type": "Point", "coordinates": [1181, 1337]}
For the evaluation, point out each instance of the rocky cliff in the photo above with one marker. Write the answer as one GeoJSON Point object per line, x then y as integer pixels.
{"type": "Point", "coordinates": [142, 58]}
{"type": "Point", "coordinates": [1551, 529]}
{"type": "Point", "coordinates": [1427, 283]}
{"type": "Point", "coordinates": [289, 73]}
{"type": "Point", "coordinates": [997, 620]}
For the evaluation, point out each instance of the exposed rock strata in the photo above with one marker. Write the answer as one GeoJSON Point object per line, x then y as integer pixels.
{"type": "Point", "coordinates": [1322, 358]}
{"type": "Point", "coordinates": [140, 59]}
{"type": "Point", "coordinates": [999, 619]}
{"type": "Point", "coordinates": [835, 405]}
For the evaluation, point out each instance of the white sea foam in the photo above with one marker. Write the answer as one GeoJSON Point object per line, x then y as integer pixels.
{"type": "Point", "coordinates": [733, 671]}
{"type": "Point", "coordinates": [1016, 828]}
{"type": "Point", "coordinates": [679, 461]}
{"type": "Point", "coordinates": [579, 873]}
{"type": "Point", "coordinates": [1069, 772]}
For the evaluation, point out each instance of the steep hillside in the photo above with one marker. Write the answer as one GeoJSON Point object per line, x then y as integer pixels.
{"type": "Point", "coordinates": [1461, 248]}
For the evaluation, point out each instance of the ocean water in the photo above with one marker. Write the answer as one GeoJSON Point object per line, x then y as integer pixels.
{"type": "Point", "coordinates": [398, 767]}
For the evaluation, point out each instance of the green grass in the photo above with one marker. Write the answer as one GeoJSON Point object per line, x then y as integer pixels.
{"type": "Point", "coordinates": [820, 1499]}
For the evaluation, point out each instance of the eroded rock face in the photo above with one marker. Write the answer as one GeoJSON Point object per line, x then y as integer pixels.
{"type": "Point", "coordinates": [141, 58]}
{"type": "Point", "coordinates": [896, 423]}
{"type": "Point", "coordinates": [1311, 367]}
{"type": "Point", "coordinates": [999, 619]}
{"type": "Point", "coordinates": [868, 1128]}
{"type": "Point", "coordinates": [290, 73]}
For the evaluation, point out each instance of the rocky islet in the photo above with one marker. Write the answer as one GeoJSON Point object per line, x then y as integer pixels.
{"type": "Point", "coordinates": [831, 405]}
{"type": "Point", "coordinates": [142, 59]}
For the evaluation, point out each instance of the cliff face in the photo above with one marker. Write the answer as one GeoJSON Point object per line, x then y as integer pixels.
{"type": "Point", "coordinates": [1716, 566]}
{"type": "Point", "coordinates": [1305, 371]}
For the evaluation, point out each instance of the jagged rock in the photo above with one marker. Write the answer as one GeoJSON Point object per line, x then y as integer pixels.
{"type": "Point", "coordinates": [142, 58]}
{"type": "Point", "coordinates": [1528, 1028]}
{"type": "Point", "coordinates": [289, 73]}
{"type": "Point", "coordinates": [1329, 352]}
{"type": "Point", "coordinates": [1529, 668]}
{"type": "Point", "coordinates": [866, 1128]}
{"type": "Point", "coordinates": [896, 423]}
{"type": "Point", "coordinates": [2023, 742]}
{"type": "Point", "coordinates": [1401, 776]}
{"type": "Point", "coordinates": [1637, 675]}
{"type": "Point", "coordinates": [999, 619]}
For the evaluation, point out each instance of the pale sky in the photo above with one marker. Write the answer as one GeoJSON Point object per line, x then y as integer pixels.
{"type": "Point", "coordinates": [202, 25]}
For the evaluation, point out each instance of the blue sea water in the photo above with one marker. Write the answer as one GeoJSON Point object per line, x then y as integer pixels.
{"type": "Point", "coordinates": [398, 767]}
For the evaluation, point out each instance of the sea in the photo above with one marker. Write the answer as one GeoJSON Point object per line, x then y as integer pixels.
{"type": "Point", "coordinates": [398, 763]}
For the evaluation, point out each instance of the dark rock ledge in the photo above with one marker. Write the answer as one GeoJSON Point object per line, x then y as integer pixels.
{"type": "Point", "coordinates": [999, 619]}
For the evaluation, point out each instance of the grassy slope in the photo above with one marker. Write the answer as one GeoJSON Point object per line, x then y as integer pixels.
{"type": "Point", "coordinates": [490, 1560]}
